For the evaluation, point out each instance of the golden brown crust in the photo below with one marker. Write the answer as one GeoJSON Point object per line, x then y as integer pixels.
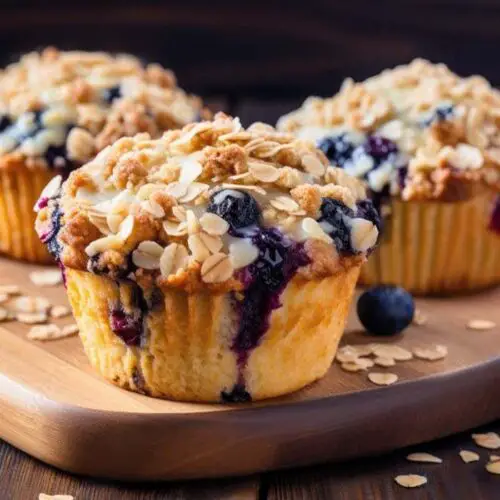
{"type": "Point", "coordinates": [104, 97]}
{"type": "Point", "coordinates": [400, 104]}
{"type": "Point", "coordinates": [147, 200]}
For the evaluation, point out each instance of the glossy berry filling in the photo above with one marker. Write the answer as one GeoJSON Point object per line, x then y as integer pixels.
{"type": "Point", "coordinates": [265, 279]}
{"type": "Point", "coordinates": [495, 216]}
{"type": "Point", "coordinates": [50, 236]}
{"type": "Point", "coordinates": [237, 208]}
{"type": "Point", "coordinates": [127, 326]}
{"type": "Point", "coordinates": [335, 217]}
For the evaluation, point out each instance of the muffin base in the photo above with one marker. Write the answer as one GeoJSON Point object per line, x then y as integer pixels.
{"type": "Point", "coordinates": [20, 188]}
{"type": "Point", "coordinates": [437, 248]}
{"type": "Point", "coordinates": [186, 352]}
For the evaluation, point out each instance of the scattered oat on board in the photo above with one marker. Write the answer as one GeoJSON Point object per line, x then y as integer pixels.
{"type": "Point", "coordinates": [424, 458]}
{"type": "Point", "coordinates": [481, 324]}
{"type": "Point", "coordinates": [469, 456]}
{"type": "Point", "coordinates": [4, 298]}
{"type": "Point", "coordinates": [494, 458]}
{"type": "Point", "coordinates": [392, 351]}
{"type": "Point", "coordinates": [420, 318]}
{"type": "Point", "coordinates": [384, 362]}
{"type": "Point", "coordinates": [431, 353]}
{"type": "Point", "coordinates": [359, 364]}
{"type": "Point", "coordinates": [493, 467]}
{"type": "Point", "coordinates": [43, 496]}
{"type": "Point", "coordinates": [26, 304]}
{"type": "Point", "coordinates": [490, 440]}
{"type": "Point", "coordinates": [410, 480]}
{"type": "Point", "coordinates": [382, 378]}
{"type": "Point", "coordinates": [4, 314]}
{"type": "Point", "coordinates": [59, 311]}
{"type": "Point", "coordinates": [50, 332]}
{"type": "Point", "coordinates": [69, 330]}
{"type": "Point", "coordinates": [35, 318]}
{"type": "Point", "coordinates": [51, 277]}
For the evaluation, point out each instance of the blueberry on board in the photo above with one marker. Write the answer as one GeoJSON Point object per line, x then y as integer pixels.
{"type": "Point", "coordinates": [385, 309]}
{"type": "Point", "coordinates": [338, 149]}
{"type": "Point", "coordinates": [237, 208]}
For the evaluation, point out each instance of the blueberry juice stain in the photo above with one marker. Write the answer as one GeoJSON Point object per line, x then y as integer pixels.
{"type": "Point", "coordinates": [265, 279]}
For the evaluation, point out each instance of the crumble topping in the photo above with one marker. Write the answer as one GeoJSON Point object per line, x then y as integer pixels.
{"type": "Point", "coordinates": [57, 109]}
{"type": "Point", "coordinates": [412, 131]}
{"type": "Point", "coordinates": [199, 205]}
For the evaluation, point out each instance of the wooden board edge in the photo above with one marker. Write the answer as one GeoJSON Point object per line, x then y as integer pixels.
{"type": "Point", "coordinates": [141, 447]}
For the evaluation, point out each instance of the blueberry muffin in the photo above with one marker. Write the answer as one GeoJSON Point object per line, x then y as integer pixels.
{"type": "Point", "coordinates": [426, 142]}
{"type": "Point", "coordinates": [214, 264]}
{"type": "Point", "coordinates": [57, 110]}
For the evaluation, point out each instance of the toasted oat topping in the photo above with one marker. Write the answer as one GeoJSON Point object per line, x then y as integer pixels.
{"type": "Point", "coordinates": [187, 208]}
{"type": "Point", "coordinates": [58, 109]}
{"type": "Point", "coordinates": [434, 128]}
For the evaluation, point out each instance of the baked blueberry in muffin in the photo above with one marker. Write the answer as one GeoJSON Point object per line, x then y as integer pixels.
{"type": "Point", "coordinates": [58, 110]}
{"type": "Point", "coordinates": [426, 143]}
{"type": "Point", "coordinates": [216, 263]}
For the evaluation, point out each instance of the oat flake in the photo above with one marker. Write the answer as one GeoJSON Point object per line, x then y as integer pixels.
{"type": "Point", "coordinates": [382, 378]}
{"type": "Point", "coordinates": [424, 458]}
{"type": "Point", "coordinates": [59, 311]}
{"type": "Point", "coordinates": [32, 318]}
{"type": "Point", "coordinates": [481, 324]}
{"type": "Point", "coordinates": [431, 354]}
{"type": "Point", "coordinates": [490, 440]}
{"type": "Point", "coordinates": [46, 278]}
{"type": "Point", "coordinates": [410, 480]}
{"type": "Point", "coordinates": [392, 351]}
{"type": "Point", "coordinates": [43, 496]}
{"type": "Point", "coordinates": [468, 456]}
{"type": "Point", "coordinates": [493, 467]}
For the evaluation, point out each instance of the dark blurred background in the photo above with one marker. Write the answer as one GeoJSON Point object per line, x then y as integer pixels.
{"type": "Point", "coordinates": [261, 58]}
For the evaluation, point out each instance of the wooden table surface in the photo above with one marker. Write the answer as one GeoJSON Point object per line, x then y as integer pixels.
{"type": "Point", "coordinates": [23, 478]}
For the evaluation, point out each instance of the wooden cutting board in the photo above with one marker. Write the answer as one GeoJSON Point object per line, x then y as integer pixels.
{"type": "Point", "coordinates": [55, 408]}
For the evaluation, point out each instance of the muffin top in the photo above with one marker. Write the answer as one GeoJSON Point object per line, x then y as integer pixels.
{"type": "Point", "coordinates": [418, 131]}
{"type": "Point", "coordinates": [208, 206]}
{"type": "Point", "coordinates": [58, 109]}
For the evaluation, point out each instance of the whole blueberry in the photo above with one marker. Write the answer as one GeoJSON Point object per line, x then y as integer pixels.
{"type": "Point", "coordinates": [338, 149]}
{"type": "Point", "coordinates": [4, 122]}
{"type": "Point", "coordinates": [337, 215]}
{"type": "Point", "coordinates": [112, 93]}
{"type": "Point", "coordinates": [385, 309]}
{"type": "Point", "coordinates": [237, 208]}
{"type": "Point", "coordinates": [379, 147]}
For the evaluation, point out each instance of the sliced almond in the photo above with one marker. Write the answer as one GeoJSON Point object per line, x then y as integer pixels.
{"type": "Point", "coordinates": [173, 259]}
{"type": "Point", "coordinates": [424, 458]}
{"type": "Point", "coordinates": [467, 157]}
{"type": "Point", "coordinates": [198, 248]}
{"type": "Point", "coordinates": [313, 230]}
{"type": "Point", "coordinates": [242, 253]}
{"type": "Point", "coordinates": [245, 187]}
{"type": "Point", "coordinates": [111, 242]}
{"type": "Point", "coordinates": [431, 354]}
{"type": "Point", "coordinates": [155, 209]}
{"type": "Point", "coordinates": [27, 304]}
{"type": "Point", "coordinates": [177, 189]}
{"type": "Point", "coordinates": [469, 456]}
{"type": "Point", "coordinates": [126, 228]}
{"type": "Point", "coordinates": [216, 269]}
{"type": "Point", "coordinates": [147, 255]}
{"type": "Point", "coordinates": [114, 221]}
{"type": "Point", "coordinates": [213, 224]}
{"type": "Point", "coordinates": [346, 355]}
{"type": "Point", "coordinates": [359, 364]}
{"type": "Point", "coordinates": [36, 318]}
{"type": "Point", "coordinates": [364, 234]}
{"type": "Point", "coordinates": [312, 165]}
{"type": "Point", "coordinates": [179, 212]}
{"type": "Point", "coordinates": [44, 332]}
{"type": "Point", "coordinates": [193, 191]}
{"type": "Point", "coordinates": [410, 480]}
{"type": "Point", "coordinates": [264, 172]}
{"type": "Point", "coordinates": [392, 351]}
{"type": "Point", "coordinates": [175, 228]}
{"type": "Point", "coordinates": [59, 311]}
{"type": "Point", "coordinates": [494, 458]}
{"type": "Point", "coordinates": [192, 223]}
{"type": "Point", "coordinates": [285, 204]}
{"type": "Point", "coordinates": [46, 278]}
{"type": "Point", "coordinates": [385, 362]}
{"type": "Point", "coordinates": [481, 324]}
{"type": "Point", "coordinates": [490, 440]}
{"type": "Point", "coordinates": [382, 378]}
{"type": "Point", "coordinates": [362, 349]}
{"type": "Point", "coordinates": [52, 187]}
{"type": "Point", "coordinates": [493, 467]}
